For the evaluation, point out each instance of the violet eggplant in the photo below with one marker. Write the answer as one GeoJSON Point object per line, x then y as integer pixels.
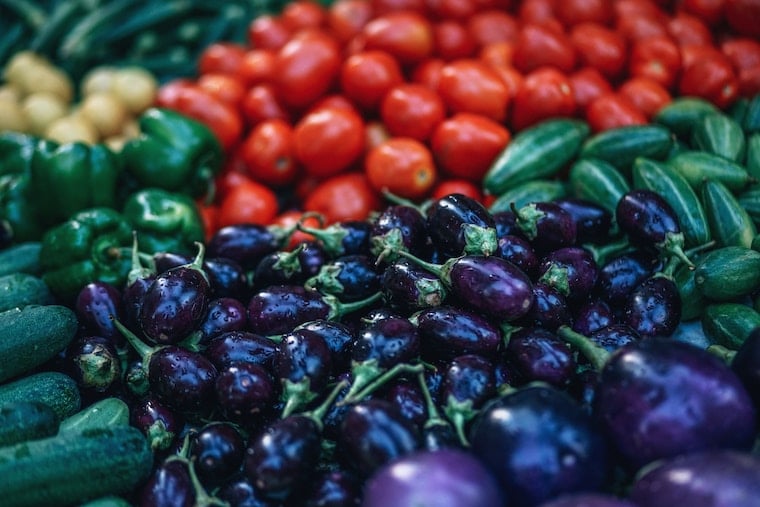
{"type": "Point", "coordinates": [217, 450]}
{"type": "Point", "coordinates": [572, 270]}
{"type": "Point", "coordinates": [746, 365]}
{"type": "Point", "coordinates": [245, 392]}
{"type": "Point", "coordinates": [139, 279]}
{"type": "Point", "coordinates": [95, 304]}
{"type": "Point", "coordinates": [408, 287]}
{"type": "Point", "coordinates": [94, 363]}
{"type": "Point", "coordinates": [227, 278]}
{"type": "Point", "coordinates": [303, 364]}
{"type": "Point", "coordinates": [239, 492]}
{"type": "Point", "coordinates": [653, 308]}
{"type": "Point", "coordinates": [657, 398]}
{"type": "Point", "coordinates": [347, 237]}
{"type": "Point", "coordinates": [398, 227]}
{"type": "Point", "coordinates": [350, 278]}
{"type": "Point", "coordinates": [505, 222]}
{"type": "Point", "coordinates": [169, 485]}
{"type": "Point", "coordinates": [437, 432]}
{"type": "Point", "coordinates": [539, 443]}
{"type": "Point", "coordinates": [160, 424]}
{"type": "Point", "coordinates": [241, 346]}
{"type": "Point", "coordinates": [710, 478]}
{"type": "Point", "coordinates": [546, 225]}
{"type": "Point", "coordinates": [333, 488]}
{"type": "Point", "coordinates": [588, 500]}
{"type": "Point", "coordinates": [468, 383]}
{"type": "Point", "coordinates": [519, 252]}
{"type": "Point", "coordinates": [592, 316]}
{"type": "Point", "coordinates": [247, 244]}
{"type": "Point", "coordinates": [338, 337]}
{"type": "Point", "coordinates": [290, 266]}
{"type": "Point", "coordinates": [538, 354]}
{"type": "Point", "coordinates": [460, 225]}
{"type": "Point", "coordinates": [449, 331]}
{"type": "Point", "coordinates": [222, 316]}
{"type": "Point", "coordinates": [549, 310]}
{"type": "Point", "coordinates": [623, 273]}
{"type": "Point", "coordinates": [592, 221]}
{"type": "Point", "coordinates": [614, 336]}
{"type": "Point", "coordinates": [409, 400]}
{"type": "Point", "coordinates": [440, 478]}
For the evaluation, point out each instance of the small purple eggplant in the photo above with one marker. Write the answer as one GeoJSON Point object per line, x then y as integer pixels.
{"type": "Point", "coordinates": [538, 354]}
{"type": "Point", "coordinates": [398, 227]}
{"type": "Point", "coordinates": [519, 252]}
{"type": "Point", "coordinates": [460, 225]}
{"type": "Point", "coordinates": [350, 278]}
{"type": "Point", "coordinates": [449, 331]}
{"type": "Point", "coordinates": [468, 383]}
{"type": "Point", "coordinates": [94, 362]}
{"type": "Point", "coordinates": [572, 270]}
{"type": "Point", "coordinates": [247, 244]}
{"type": "Point", "coordinates": [222, 316]}
{"type": "Point", "coordinates": [623, 273]}
{"type": "Point", "coordinates": [592, 316]}
{"type": "Point", "coordinates": [406, 286]}
{"type": "Point", "coordinates": [333, 488]}
{"type": "Point", "coordinates": [290, 266]}
{"type": "Point", "coordinates": [546, 225]}
{"type": "Point", "coordinates": [245, 392]}
{"type": "Point", "coordinates": [588, 500]}
{"type": "Point", "coordinates": [170, 484]}
{"type": "Point", "coordinates": [303, 364]}
{"type": "Point", "coordinates": [592, 221]}
{"type": "Point", "coordinates": [217, 450]}
{"type": "Point", "coordinates": [653, 308]}
{"type": "Point", "coordinates": [408, 398]}
{"type": "Point", "coordinates": [160, 424]}
{"type": "Point", "coordinates": [95, 304]}
{"type": "Point", "coordinates": [241, 346]}
{"type": "Point", "coordinates": [348, 237]}
{"type": "Point", "coordinates": [240, 492]}
{"type": "Point", "coordinates": [339, 339]}
{"type": "Point", "coordinates": [550, 309]}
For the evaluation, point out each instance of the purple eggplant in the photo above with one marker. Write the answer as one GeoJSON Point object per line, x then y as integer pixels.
{"type": "Point", "coordinates": [217, 451]}
{"type": "Point", "coordinates": [468, 383]}
{"type": "Point", "coordinates": [539, 443]}
{"type": "Point", "coordinates": [546, 225]}
{"type": "Point", "coordinates": [95, 304]}
{"type": "Point", "coordinates": [333, 488]}
{"type": "Point", "coordinates": [588, 500]}
{"type": "Point", "coordinates": [241, 346]}
{"type": "Point", "coordinates": [247, 244]}
{"type": "Point", "coordinates": [460, 225]}
{"type": "Point", "coordinates": [240, 492]}
{"type": "Point", "coordinates": [160, 424]}
{"type": "Point", "coordinates": [290, 266]}
{"type": "Point", "coordinates": [176, 302]}
{"type": "Point", "coordinates": [222, 316]}
{"type": "Point", "coordinates": [449, 331]}
{"type": "Point", "coordinates": [94, 362]}
{"type": "Point", "coordinates": [169, 485]}
{"type": "Point", "coordinates": [139, 279]}
{"type": "Point", "coordinates": [227, 278]}
{"type": "Point", "coordinates": [245, 392]}
{"type": "Point", "coordinates": [657, 398]}
{"type": "Point", "coordinates": [572, 270]}
{"type": "Point", "coordinates": [409, 400]}
{"type": "Point", "coordinates": [441, 478]}
{"type": "Point", "coordinates": [303, 364]}
{"type": "Point", "coordinates": [349, 278]}
{"type": "Point", "coordinates": [519, 252]}
{"type": "Point", "coordinates": [592, 221]}
{"type": "Point", "coordinates": [623, 273]}
{"type": "Point", "coordinates": [339, 339]}
{"type": "Point", "coordinates": [614, 336]}
{"type": "Point", "coordinates": [711, 478]}
{"type": "Point", "coordinates": [398, 227]}
{"type": "Point", "coordinates": [347, 237]}
{"type": "Point", "coordinates": [549, 310]}
{"type": "Point", "coordinates": [538, 354]}
{"type": "Point", "coordinates": [746, 365]}
{"type": "Point", "coordinates": [408, 287]}
{"type": "Point", "coordinates": [505, 222]}
{"type": "Point", "coordinates": [653, 308]}
{"type": "Point", "coordinates": [592, 316]}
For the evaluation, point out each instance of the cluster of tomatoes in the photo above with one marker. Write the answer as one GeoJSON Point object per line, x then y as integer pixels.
{"type": "Point", "coordinates": [331, 105]}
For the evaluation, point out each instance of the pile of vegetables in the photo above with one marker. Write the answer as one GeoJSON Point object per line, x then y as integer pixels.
{"type": "Point", "coordinates": [381, 253]}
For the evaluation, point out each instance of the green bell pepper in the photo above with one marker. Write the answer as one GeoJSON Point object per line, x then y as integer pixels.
{"type": "Point", "coordinates": [173, 152]}
{"type": "Point", "coordinates": [72, 177]}
{"type": "Point", "coordinates": [164, 221]}
{"type": "Point", "coordinates": [93, 245]}
{"type": "Point", "coordinates": [15, 205]}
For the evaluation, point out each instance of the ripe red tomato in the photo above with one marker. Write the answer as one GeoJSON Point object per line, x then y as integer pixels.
{"type": "Point", "coordinates": [749, 81]}
{"type": "Point", "coordinates": [657, 58]}
{"type": "Point", "coordinates": [691, 53]}
{"type": "Point", "coordinates": [225, 87]}
{"type": "Point", "coordinates": [709, 11]}
{"type": "Point", "coordinates": [210, 216]}
{"type": "Point", "coordinates": [451, 9]}
{"type": "Point", "coordinates": [742, 16]}
{"type": "Point", "coordinates": [712, 79]}
{"type": "Point", "coordinates": [382, 7]}
{"type": "Point", "coordinates": [545, 92]}
{"type": "Point", "coordinates": [456, 186]}
{"type": "Point", "coordinates": [540, 45]}
{"type": "Point", "coordinates": [365, 77]}
{"type": "Point", "coordinates": [261, 103]}
{"type": "Point", "coordinates": [346, 18]}
{"type": "Point", "coordinates": [512, 79]}
{"type": "Point", "coordinates": [465, 145]}
{"type": "Point", "coordinates": [686, 28]}
{"type": "Point", "coordinates": [328, 140]}
{"type": "Point", "coordinates": [742, 52]}
{"type": "Point", "coordinates": [268, 32]}
{"type": "Point", "coordinates": [639, 26]}
{"type": "Point", "coordinates": [297, 14]}
{"type": "Point", "coordinates": [375, 132]}
{"type": "Point", "coordinates": [451, 40]}
{"type": "Point", "coordinates": [588, 84]}
{"type": "Point", "coordinates": [248, 202]}
{"type": "Point", "coordinates": [306, 67]}
{"type": "Point", "coordinates": [224, 120]}
{"type": "Point", "coordinates": [407, 35]}
{"type": "Point", "coordinates": [428, 72]}
{"type": "Point", "coordinates": [611, 111]}
{"type": "Point", "coordinates": [497, 54]}
{"type": "Point", "coordinates": [412, 110]}
{"type": "Point", "coordinates": [269, 155]}
{"type": "Point", "coordinates": [536, 11]}
{"type": "Point", "coordinates": [469, 85]}
{"type": "Point", "coordinates": [573, 12]}
{"type": "Point", "coordinates": [347, 196]}
{"type": "Point", "coordinates": [257, 66]}
{"type": "Point", "coordinates": [288, 220]}
{"type": "Point", "coordinates": [600, 47]}
{"type": "Point", "coordinates": [402, 166]}
{"type": "Point", "coordinates": [221, 58]}
{"type": "Point", "coordinates": [492, 25]}
{"type": "Point", "coordinates": [647, 95]}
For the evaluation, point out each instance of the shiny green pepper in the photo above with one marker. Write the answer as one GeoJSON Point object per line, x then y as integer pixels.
{"type": "Point", "coordinates": [16, 207]}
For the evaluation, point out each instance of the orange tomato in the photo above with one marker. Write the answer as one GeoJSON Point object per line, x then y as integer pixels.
{"type": "Point", "coordinates": [613, 110]}
{"type": "Point", "coordinates": [407, 35]}
{"type": "Point", "coordinates": [412, 110]}
{"type": "Point", "coordinates": [365, 77]}
{"type": "Point", "coordinates": [248, 202]}
{"type": "Point", "coordinates": [469, 85]}
{"type": "Point", "coordinates": [347, 196]}
{"type": "Point", "coordinates": [268, 153]}
{"type": "Point", "coordinates": [402, 166]}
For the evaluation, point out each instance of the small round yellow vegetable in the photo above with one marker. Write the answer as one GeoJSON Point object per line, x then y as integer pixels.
{"type": "Point", "coordinates": [105, 112]}
{"type": "Point", "coordinates": [72, 128]}
{"type": "Point", "coordinates": [136, 87]}
{"type": "Point", "coordinates": [99, 79]}
{"type": "Point", "coordinates": [41, 109]}
{"type": "Point", "coordinates": [10, 92]}
{"type": "Point", "coordinates": [19, 65]}
{"type": "Point", "coordinates": [12, 117]}
{"type": "Point", "coordinates": [47, 78]}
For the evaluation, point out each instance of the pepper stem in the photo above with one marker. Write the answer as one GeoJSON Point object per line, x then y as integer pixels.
{"type": "Point", "coordinates": [596, 354]}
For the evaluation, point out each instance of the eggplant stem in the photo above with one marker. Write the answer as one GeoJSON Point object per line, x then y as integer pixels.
{"type": "Point", "coordinates": [721, 352]}
{"type": "Point", "coordinates": [319, 413]}
{"type": "Point", "coordinates": [379, 381]}
{"type": "Point", "coordinates": [596, 354]}
{"type": "Point", "coordinates": [143, 349]}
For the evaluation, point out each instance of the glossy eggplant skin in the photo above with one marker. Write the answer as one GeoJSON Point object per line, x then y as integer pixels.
{"type": "Point", "coordinates": [245, 244]}
{"type": "Point", "coordinates": [280, 308]}
{"type": "Point", "coordinates": [712, 478]}
{"type": "Point", "coordinates": [518, 251]}
{"type": "Point", "coordinates": [653, 308]}
{"type": "Point", "coordinates": [243, 346]}
{"type": "Point", "coordinates": [538, 354]}
{"type": "Point", "coordinates": [539, 443]}
{"type": "Point", "coordinates": [245, 392]}
{"type": "Point", "coordinates": [592, 221]}
{"type": "Point", "coordinates": [407, 287]}
{"type": "Point", "coordinates": [160, 424]}
{"type": "Point", "coordinates": [404, 222]}
{"type": "Point", "coordinates": [239, 492]}
{"type": "Point", "coordinates": [389, 342]}
{"type": "Point", "coordinates": [657, 398]}
{"type": "Point", "coordinates": [448, 331]}
{"type": "Point", "coordinates": [746, 365]}
{"type": "Point", "coordinates": [182, 379]}
{"type": "Point", "coordinates": [458, 224]}
{"type": "Point", "coordinates": [549, 310]}
{"type": "Point", "coordinates": [169, 485]}
{"type": "Point", "coordinates": [337, 336]}
{"type": "Point", "coordinates": [217, 450]}
{"type": "Point", "coordinates": [588, 500]}
{"type": "Point", "coordinates": [572, 270]}
{"type": "Point", "coordinates": [223, 315]}
{"type": "Point", "coordinates": [96, 304]}
{"type": "Point", "coordinates": [646, 217]}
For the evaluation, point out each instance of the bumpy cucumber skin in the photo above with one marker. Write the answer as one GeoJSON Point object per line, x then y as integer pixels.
{"type": "Point", "coordinates": [729, 324]}
{"type": "Point", "coordinates": [728, 273]}
{"type": "Point", "coordinates": [21, 258]}
{"type": "Point", "coordinates": [730, 224]}
{"type": "Point", "coordinates": [621, 146]}
{"type": "Point", "coordinates": [18, 290]}
{"type": "Point", "coordinates": [52, 388]}
{"type": "Point", "coordinates": [26, 420]}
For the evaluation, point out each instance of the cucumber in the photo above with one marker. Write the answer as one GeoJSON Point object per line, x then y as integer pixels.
{"type": "Point", "coordinates": [107, 501]}
{"type": "Point", "coordinates": [18, 290]}
{"type": "Point", "coordinates": [730, 224]}
{"type": "Point", "coordinates": [692, 301]}
{"type": "Point", "coordinates": [528, 192]}
{"type": "Point", "coordinates": [697, 166]}
{"type": "Point", "coordinates": [750, 201]}
{"type": "Point", "coordinates": [72, 468]}
{"type": "Point", "coordinates": [729, 324]}
{"type": "Point", "coordinates": [728, 273]}
{"type": "Point", "coordinates": [682, 113]}
{"type": "Point", "coordinates": [720, 135]}
{"type": "Point", "coordinates": [104, 413]}
{"type": "Point", "coordinates": [752, 158]}
{"type": "Point", "coordinates": [620, 146]}
{"type": "Point", "coordinates": [751, 120]}
{"type": "Point", "coordinates": [55, 389]}
{"type": "Point", "coordinates": [676, 191]}
{"type": "Point", "coordinates": [26, 420]}
{"type": "Point", "coordinates": [598, 181]}
{"type": "Point", "coordinates": [32, 335]}
{"type": "Point", "coordinates": [536, 152]}
{"type": "Point", "coordinates": [21, 258]}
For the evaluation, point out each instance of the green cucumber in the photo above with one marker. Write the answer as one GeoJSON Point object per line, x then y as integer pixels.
{"type": "Point", "coordinates": [104, 413]}
{"type": "Point", "coordinates": [528, 192]}
{"type": "Point", "coordinates": [536, 152]}
{"type": "Point", "coordinates": [751, 120]}
{"type": "Point", "coordinates": [752, 159]}
{"type": "Point", "coordinates": [750, 201]}
{"type": "Point", "coordinates": [52, 388]}
{"type": "Point", "coordinates": [729, 324]}
{"type": "Point", "coordinates": [32, 335]}
{"type": "Point", "coordinates": [72, 468]}
{"type": "Point", "coordinates": [720, 135]}
{"type": "Point", "coordinates": [692, 301]}
{"type": "Point", "coordinates": [107, 501]}
{"type": "Point", "coordinates": [676, 191]}
{"type": "Point", "coordinates": [598, 181]}
{"type": "Point", "coordinates": [697, 166]}
{"type": "Point", "coordinates": [728, 273]}
{"type": "Point", "coordinates": [26, 420]}
{"type": "Point", "coordinates": [21, 258]}
{"type": "Point", "coordinates": [682, 113]}
{"type": "Point", "coordinates": [730, 224]}
{"type": "Point", "coordinates": [620, 146]}
{"type": "Point", "coordinates": [18, 290]}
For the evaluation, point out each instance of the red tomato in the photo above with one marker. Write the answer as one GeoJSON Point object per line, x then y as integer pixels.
{"type": "Point", "coordinates": [306, 67]}
{"type": "Point", "coordinates": [225, 87]}
{"type": "Point", "coordinates": [407, 35]}
{"type": "Point", "coordinates": [647, 95]}
{"type": "Point", "coordinates": [288, 220]}
{"type": "Point", "coordinates": [452, 40]}
{"type": "Point", "coordinates": [536, 11]}
{"type": "Point", "coordinates": [497, 54]}
{"type": "Point", "coordinates": [261, 103]}
{"type": "Point", "coordinates": [268, 32]}
{"type": "Point", "coordinates": [248, 202]}
{"type": "Point", "coordinates": [451, 9]}
{"type": "Point", "coordinates": [638, 27]}
{"type": "Point", "coordinates": [712, 79]}
{"type": "Point", "coordinates": [465, 145]}
{"type": "Point", "coordinates": [709, 11]}
{"type": "Point", "coordinates": [210, 216]}
{"type": "Point", "coordinates": [511, 78]}
{"type": "Point", "coordinates": [232, 176]}
{"type": "Point", "coordinates": [223, 120]}
{"type": "Point", "coordinates": [298, 14]}
{"type": "Point", "coordinates": [365, 77]}
{"type": "Point", "coordinates": [333, 101]}
{"type": "Point", "coordinates": [742, 16]}
{"type": "Point", "coordinates": [375, 132]}
{"type": "Point", "coordinates": [749, 81]}
{"type": "Point", "coordinates": [346, 18]}
{"type": "Point", "coordinates": [657, 58]}
{"type": "Point", "coordinates": [742, 52]}
{"type": "Point", "coordinates": [545, 92]}
{"type": "Point", "coordinates": [382, 7]}
{"type": "Point", "coordinates": [600, 47]}
{"type": "Point", "coordinates": [347, 196]}
{"type": "Point", "coordinates": [469, 85]}
{"type": "Point", "coordinates": [490, 26]}
{"type": "Point", "coordinates": [328, 140]}
{"type": "Point", "coordinates": [686, 28]}
{"type": "Point", "coordinates": [257, 66]}
{"type": "Point", "coordinates": [412, 110]}
{"type": "Point", "coordinates": [169, 92]}
{"type": "Point", "coordinates": [402, 166]}
{"type": "Point", "coordinates": [269, 155]}
{"type": "Point", "coordinates": [631, 8]}
{"type": "Point", "coordinates": [588, 84]}
{"type": "Point", "coordinates": [541, 45]}
{"type": "Point", "coordinates": [573, 12]}
{"type": "Point", "coordinates": [612, 111]}
{"type": "Point", "coordinates": [456, 186]}
{"type": "Point", "coordinates": [428, 72]}
{"type": "Point", "coordinates": [221, 58]}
